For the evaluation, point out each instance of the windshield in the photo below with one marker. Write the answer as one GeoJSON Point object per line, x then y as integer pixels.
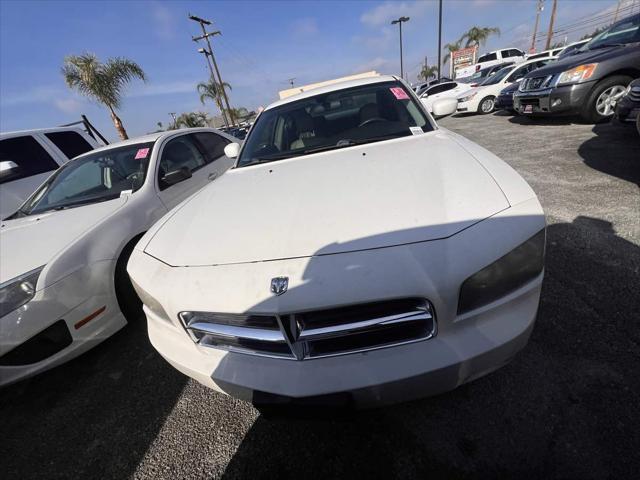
{"type": "Point", "coordinates": [93, 178]}
{"type": "Point", "coordinates": [337, 119]}
{"type": "Point", "coordinates": [497, 77]}
{"type": "Point", "coordinates": [626, 31]}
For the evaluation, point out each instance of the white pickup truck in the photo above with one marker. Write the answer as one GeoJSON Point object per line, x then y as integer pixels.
{"type": "Point", "coordinates": [506, 55]}
{"type": "Point", "coordinates": [28, 157]}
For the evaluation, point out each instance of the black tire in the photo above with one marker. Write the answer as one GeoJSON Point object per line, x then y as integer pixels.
{"type": "Point", "coordinates": [589, 111]}
{"type": "Point", "coordinates": [128, 300]}
{"type": "Point", "coordinates": [638, 124]}
{"type": "Point", "coordinates": [487, 105]}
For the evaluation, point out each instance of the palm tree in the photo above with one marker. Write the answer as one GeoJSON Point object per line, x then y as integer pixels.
{"type": "Point", "coordinates": [451, 47]}
{"type": "Point", "coordinates": [478, 35]}
{"type": "Point", "coordinates": [102, 82]}
{"type": "Point", "coordinates": [427, 72]}
{"type": "Point", "coordinates": [191, 120]}
{"type": "Point", "coordinates": [240, 113]}
{"type": "Point", "coordinates": [214, 91]}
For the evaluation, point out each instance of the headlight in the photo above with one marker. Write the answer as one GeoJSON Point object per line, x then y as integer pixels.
{"type": "Point", "coordinates": [577, 74]}
{"type": "Point", "coordinates": [468, 97]}
{"type": "Point", "coordinates": [16, 292]}
{"type": "Point", "coordinates": [519, 266]}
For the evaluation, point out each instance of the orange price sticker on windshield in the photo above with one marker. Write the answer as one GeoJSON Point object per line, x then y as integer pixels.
{"type": "Point", "coordinates": [142, 153]}
{"type": "Point", "coordinates": [399, 93]}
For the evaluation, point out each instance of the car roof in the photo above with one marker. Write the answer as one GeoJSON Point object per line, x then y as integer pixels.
{"type": "Point", "coordinates": [333, 88]}
{"type": "Point", "coordinates": [41, 130]}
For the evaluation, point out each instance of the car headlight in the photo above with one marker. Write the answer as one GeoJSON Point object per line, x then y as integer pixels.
{"type": "Point", "coordinates": [508, 273]}
{"type": "Point", "coordinates": [577, 74]}
{"type": "Point", "coordinates": [16, 292]}
{"type": "Point", "coordinates": [468, 97]}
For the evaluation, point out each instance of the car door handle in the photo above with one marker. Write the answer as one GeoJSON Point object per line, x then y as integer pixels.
{"type": "Point", "coordinates": [212, 176]}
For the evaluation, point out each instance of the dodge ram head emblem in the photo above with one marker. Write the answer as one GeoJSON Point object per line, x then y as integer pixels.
{"type": "Point", "coordinates": [279, 285]}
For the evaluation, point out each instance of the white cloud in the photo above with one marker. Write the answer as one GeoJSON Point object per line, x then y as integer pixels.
{"type": "Point", "coordinates": [304, 27]}
{"type": "Point", "coordinates": [167, 88]}
{"type": "Point", "coordinates": [384, 13]}
{"type": "Point", "coordinates": [68, 105]}
{"type": "Point", "coordinates": [163, 22]}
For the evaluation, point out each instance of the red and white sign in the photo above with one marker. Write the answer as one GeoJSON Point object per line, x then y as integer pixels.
{"type": "Point", "coordinates": [462, 58]}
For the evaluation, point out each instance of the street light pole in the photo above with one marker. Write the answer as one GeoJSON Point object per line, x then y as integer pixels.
{"type": "Point", "coordinates": [439, 37]}
{"type": "Point", "coordinates": [400, 21]}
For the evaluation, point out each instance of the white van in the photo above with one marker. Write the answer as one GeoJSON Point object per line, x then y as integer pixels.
{"type": "Point", "coordinates": [28, 157]}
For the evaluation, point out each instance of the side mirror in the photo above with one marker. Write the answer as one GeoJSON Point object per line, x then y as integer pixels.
{"type": "Point", "coordinates": [232, 150]}
{"type": "Point", "coordinates": [176, 176]}
{"type": "Point", "coordinates": [444, 107]}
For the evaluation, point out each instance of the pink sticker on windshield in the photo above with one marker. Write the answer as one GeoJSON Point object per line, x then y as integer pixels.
{"type": "Point", "coordinates": [142, 153]}
{"type": "Point", "coordinates": [399, 93]}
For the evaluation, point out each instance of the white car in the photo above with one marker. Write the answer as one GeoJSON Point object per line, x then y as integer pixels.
{"type": "Point", "coordinates": [442, 90]}
{"type": "Point", "coordinates": [28, 157]}
{"type": "Point", "coordinates": [497, 57]}
{"type": "Point", "coordinates": [63, 283]}
{"type": "Point", "coordinates": [357, 252]}
{"type": "Point", "coordinates": [482, 99]}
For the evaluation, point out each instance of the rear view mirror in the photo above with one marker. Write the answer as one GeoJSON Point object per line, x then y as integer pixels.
{"type": "Point", "coordinates": [444, 107]}
{"type": "Point", "coordinates": [176, 176]}
{"type": "Point", "coordinates": [232, 150]}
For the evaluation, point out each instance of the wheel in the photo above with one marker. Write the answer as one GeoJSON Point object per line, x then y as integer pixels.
{"type": "Point", "coordinates": [601, 103]}
{"type": "Point", "coordinates": [128, 300]}
{"type": "Point", "coordinates": [487, 105]}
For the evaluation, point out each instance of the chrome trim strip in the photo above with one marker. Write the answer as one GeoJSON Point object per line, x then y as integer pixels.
{"type": "Point", "coordinates": [218, 330]}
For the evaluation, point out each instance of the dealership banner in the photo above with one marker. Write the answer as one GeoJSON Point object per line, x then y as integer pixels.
{"type": "Point", "coordinates": [462, 58]}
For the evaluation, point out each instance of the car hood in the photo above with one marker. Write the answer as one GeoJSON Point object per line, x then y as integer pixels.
{"type": "Point", "coordinates": [394, 192]}
{"type": "Point", "coordinates": [30, 242]}
{"type": "Point", "coordinates": [590, 56]}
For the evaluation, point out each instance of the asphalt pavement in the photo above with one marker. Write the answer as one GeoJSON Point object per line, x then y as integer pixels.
{"type": "Point", "coordinates": [568, 406]}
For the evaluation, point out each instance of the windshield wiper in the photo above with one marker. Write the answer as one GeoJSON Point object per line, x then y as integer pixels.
{"type": "Point", "coordinates": [607, 45]}
{"type": "Point", "coordinates": [269, 158]}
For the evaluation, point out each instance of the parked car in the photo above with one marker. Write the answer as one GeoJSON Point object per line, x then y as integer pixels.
{"type": "Point", "coordinates": [504, 100]}
{"type": "Point", "coordinates": [628, 107]}
{"type": "Point", "coordinates": [482, 99]}
{"type": "Point", "coordinates": [588, 83]}
{"type": "Point", "coordinates": [442, 90]}
{"type": "Point", "coordinates": [497, 57]}
{"type": "Point", "coordinates": [572, 48]}
{"type": "Point", "coordinates": [481, 75]}
{"type": "Point", "coordinates": [356, 253]}
{"type": "Point", "coordinates": [420, 89]}
{"type": "Point", "coordinates": [63, 284]}
{"type": "Point", "coordinates": [28, 157]}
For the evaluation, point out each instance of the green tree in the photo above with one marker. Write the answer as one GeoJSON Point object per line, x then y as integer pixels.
{"type": "Point", "coordinates": [213, 91]}
{"type": "Point", "coordinates": [102, 82]}
{"type": "Point", "coordinates": [428, 72]}
{"type": "Point", "coordinates": [192, 120]}
{"type": "Point", "coordinates": [240, 113]}
{"type": "Point", "coordinates": [478, 35]}
{"type": "Point", "coordinates": [450, 48]}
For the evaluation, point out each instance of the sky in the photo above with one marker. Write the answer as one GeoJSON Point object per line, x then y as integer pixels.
{"type": "Point", "coordinates": [263, 44]}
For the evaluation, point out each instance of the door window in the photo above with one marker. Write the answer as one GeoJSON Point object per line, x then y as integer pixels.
{"type": "Point", "coordinates": [70, 143]}
{"type": "Point", "coordinates": [22, 157]}
{"type": "Point", "coordinates": [212, 145]}
{"type": "Point", "coordinates": [488, 57]}
{"type": "Point", "coordinates": [178, 153]}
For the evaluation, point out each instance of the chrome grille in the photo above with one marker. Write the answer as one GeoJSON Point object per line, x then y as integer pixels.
{"type": "Point", "coordinates": [535, 83]}
{"type": "Point", "coordinates": [318, 333]}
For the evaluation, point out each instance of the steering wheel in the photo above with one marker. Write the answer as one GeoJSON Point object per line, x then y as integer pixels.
{"type": "Point", "coordinates": [372, 120]}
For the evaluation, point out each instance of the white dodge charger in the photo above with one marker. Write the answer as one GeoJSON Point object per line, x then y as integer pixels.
{"type": "Point", "coordinates": [356, 253]}
{"type": "Point", "coordinates": [63, 283]}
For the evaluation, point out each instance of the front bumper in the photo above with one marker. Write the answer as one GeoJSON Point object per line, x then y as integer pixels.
{"type": "Point", "coordinates": [504, 102]}
{"type": "Point", "coordinates": [466, 346]}
{"type": "Point", "coordinates": [71, 300]}
{"type": "Point", "coordinates": [562, 100]}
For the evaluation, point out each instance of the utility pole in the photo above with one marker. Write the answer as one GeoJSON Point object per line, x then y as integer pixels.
{"type": "Point", "coordinates": [539, 9]}
{"type": "Point", "coordinates": [400, 21]}
{"type": "Point", "coordinates": [206, 36]}
{"type": "Point", "coordinates": [615, 18]}
{"type": "Point", "coordinates": [439, 37]}
{"type": "Point", "coordinates": [205, 52]}
{"type": "Point", "coordinates": [553, 18]}
{"type": "Point", "coordinates": [173, 115]}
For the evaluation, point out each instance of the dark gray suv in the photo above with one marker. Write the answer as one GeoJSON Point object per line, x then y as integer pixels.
{"type": "Point", "coordinates": [589, 82]}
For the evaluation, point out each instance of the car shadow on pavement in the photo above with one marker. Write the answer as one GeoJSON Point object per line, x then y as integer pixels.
{"type": "Point", "coordinates": [565, 407]}
{"type": "Point", "coordinates": [93, 417]}
{"type": "Point", "coordinates": [614, 150]}
{"type": "Point", "coordinates": [544, 120]}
